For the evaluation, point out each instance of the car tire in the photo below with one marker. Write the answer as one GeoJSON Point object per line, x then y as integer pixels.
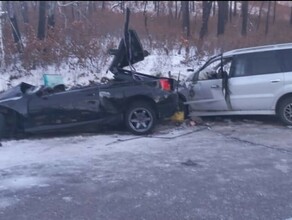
{"type": "Point", "coordinates": [285, 111]}
{"type": "Point", "coordinates": [2, 125]}
{"type": "Point", "coordinates": [140, 118]}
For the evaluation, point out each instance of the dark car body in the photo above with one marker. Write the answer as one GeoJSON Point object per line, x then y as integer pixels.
{"type": "Point", "coordinates": [136, 99]}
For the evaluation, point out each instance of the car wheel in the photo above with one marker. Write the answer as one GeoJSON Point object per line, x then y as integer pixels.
{"type": "Point", "coordinates": [140, 118]}
{"type": "Point", "coordinates": [285, 111]}
{"type": "Point", "coordinates": [2, 125]}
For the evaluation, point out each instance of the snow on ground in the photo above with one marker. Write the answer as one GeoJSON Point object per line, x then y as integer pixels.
{"type": "Point", "coordinates": [76, 149]}
{"type": "Point", "coordinates": [233, 169]}
{"type": "Point", "coordinates": [155, 64]}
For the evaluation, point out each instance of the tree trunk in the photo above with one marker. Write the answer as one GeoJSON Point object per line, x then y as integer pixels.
{"type": "Point", "coordinates": [42, 20]}
{"type": "Point", "coordinates": [291, 16]}
{"type": "Point", "coordinates": [51, 15]}
{"type": "Point", "coordinates": [102, 5]}
{"type": "Point", "coordinates": [73, 12]}
{"type": "Point", "coordinates": [24, 11]}
{"type": "Point", "coordinates": [274, 11]}
{"type": "Point", "coordinates": [176, 9]}
{"type": "Point", "coordinates": [214, 8]}
{"type": "Point", "coordinates": [221, 17]}
{"type": "Point", "coordinates": [268, 18]}
{"type": "Point", "coordinates": [235, 8]}
{"type": "Point", "coordinates": [2, 52]}
{"type": "Point", "coordinates": [185, 18]}
{"type": "Point", "coordinates": [170, 6]}
{"type": "Point", "coordinates": [244, 9]}
{"type": "Point", "coordinates": [260, 14]}
{"type": "Point", "coordinates": [122, 6]}
{"type": "Point", "coordinates": [207, 6]}
{"type": "Point", "coordinates": [230, 11]}
{"type": "Point", "coordinates": [226, 9]}
{"type": "Point", "coordinates": [157, 7]}
{"type": "Point", "coordinates": [14, 26]}
{"type": "Point", "coordinates": [146, 24]}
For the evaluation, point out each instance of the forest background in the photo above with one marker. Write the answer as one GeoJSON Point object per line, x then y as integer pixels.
{"type": "Point", "coordinates": [75, 36]}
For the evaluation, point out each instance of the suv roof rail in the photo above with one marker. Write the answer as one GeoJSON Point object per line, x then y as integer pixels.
{"type": "Point", "coordinates": [259, 48]}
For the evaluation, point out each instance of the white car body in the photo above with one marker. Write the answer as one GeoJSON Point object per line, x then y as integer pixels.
{"type": "Point", "coordinates": [259, 81]}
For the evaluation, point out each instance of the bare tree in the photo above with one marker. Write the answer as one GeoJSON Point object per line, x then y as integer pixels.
{"type": "Point", "coordinates": [291, 16]}
{"type": "Point", "coordinates": [146, 23]}
{"type": "Point", "coordinates": [268, 18]}
{"type": "Point", "coordinates": [51, 14]}
{"type": "Point", "coordinates": [193, 6]}
{"type": "Point", "coordinates": [207, 6]}
{"type": "Point", "coordinates": [122, 5]}
{"type": "Point", "coordinates": [170, 6]}
{"type": "Point", "coordinates": [185, 18]}
{"type": "Point", "coordinates": [103, 5]}
{"type": "Point", "coordinates": [222, 16]}
{"type": "Point", "coordinates": [176, 10]}
{"type": "Point", "coordinates": [156, 7]}
{"type": "Point", "coordinates": [225, 11]}
{"type": "Point", "coordinates": [230, 11]}
{"type": "Point", "coordinates": [2, 51]}
{"type": "Point", "coordinates": [234, 8]}
{"type": "Point", "coordinates": [42, 20]}
{"type": "Point", "coordinates": [14, 26]}
{"type": "Point", "coordinates": [24, 11]}
{"type": "Point", "coordinates": [274, 11]}
{"type": "Point", "coordinates": [260, 14]}
{"type": "Point", "coordinates": [244, 9]}
{"type": "Point", "coordinates": [214, 8]}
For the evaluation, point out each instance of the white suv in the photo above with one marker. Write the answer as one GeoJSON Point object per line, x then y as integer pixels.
{"type": "Point", "coordinates": [248, 81]}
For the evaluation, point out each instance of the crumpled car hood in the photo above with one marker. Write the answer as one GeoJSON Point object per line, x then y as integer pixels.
{"type": "Point", "coordinates": [14, 92]}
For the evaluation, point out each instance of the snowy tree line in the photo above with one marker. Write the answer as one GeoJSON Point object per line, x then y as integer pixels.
{"type": "Point", "coordinates": [40, 33]}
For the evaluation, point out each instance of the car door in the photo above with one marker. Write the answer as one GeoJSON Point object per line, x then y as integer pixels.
{"type": "Point", "coordinates": [65, 107]}
{"type": "Point", "coordinates": [255, 80]}
{"type": "Point", "coordinates": [205, 90]}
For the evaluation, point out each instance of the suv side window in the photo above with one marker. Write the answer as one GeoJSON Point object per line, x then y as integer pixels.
{"type": "Point", "coordinates": [256, 64]}
{"type": "Point", "coordinates": [286, 58]}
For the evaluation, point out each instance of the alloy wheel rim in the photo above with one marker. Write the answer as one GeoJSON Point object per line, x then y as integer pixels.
{"type": "Point", "coordinates": [288, 112]}
{"type": "Point", "coordinates": [140, 119]}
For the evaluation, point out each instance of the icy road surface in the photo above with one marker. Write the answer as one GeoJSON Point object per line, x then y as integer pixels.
{"type": "Point", "coordinates": [222, 170]}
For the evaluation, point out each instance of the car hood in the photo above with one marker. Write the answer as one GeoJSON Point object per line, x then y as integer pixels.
{"type": "Point", "coordinates": [14, 92]}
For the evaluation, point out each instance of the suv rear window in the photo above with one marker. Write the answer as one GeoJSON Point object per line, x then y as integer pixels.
{"type": "Point", "coordinates": [286, 58]}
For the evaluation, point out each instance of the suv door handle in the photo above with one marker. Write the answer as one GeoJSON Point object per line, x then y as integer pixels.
{"type": "Point", "coordinates": [275, 80]}
{"type": "Point", "coordinates": [214, 86]}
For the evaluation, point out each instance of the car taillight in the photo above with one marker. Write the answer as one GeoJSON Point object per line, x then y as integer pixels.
{"type": "Point", "coordinates": [165, 84]}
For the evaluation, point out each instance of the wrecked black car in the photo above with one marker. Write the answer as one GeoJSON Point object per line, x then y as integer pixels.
{"type": "Point", "coordinates": [138, 100]}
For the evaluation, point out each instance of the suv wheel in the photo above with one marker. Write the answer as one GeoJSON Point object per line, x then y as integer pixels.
{"type": "Point", "coordinates": [140, 118]}
{"type": "Point", "coordinates": [285, 111]}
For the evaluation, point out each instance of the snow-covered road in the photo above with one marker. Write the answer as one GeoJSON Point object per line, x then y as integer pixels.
{"type": "Point", "coordinates": [226, 170]}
